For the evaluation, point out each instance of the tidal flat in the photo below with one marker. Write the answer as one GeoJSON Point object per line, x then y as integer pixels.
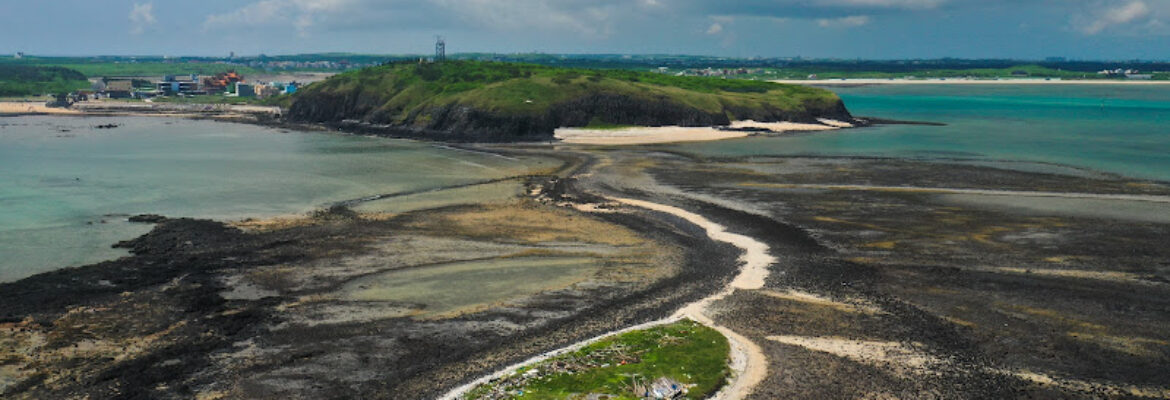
{"type": "Point", "coordinates": [893, 278]}
{"type": "Point", "coordinates": [304, 308]}
{"type": "Point", "coordinates": [924, 296]}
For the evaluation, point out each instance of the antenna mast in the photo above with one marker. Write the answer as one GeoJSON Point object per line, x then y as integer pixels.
{"type": "Point", "coordinates": [440, 49]}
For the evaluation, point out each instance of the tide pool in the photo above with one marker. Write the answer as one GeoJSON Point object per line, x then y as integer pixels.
{"type": "Point", "coordinates": [67, 187]}
{"type": "Point", "coordinates": [1119, 129]}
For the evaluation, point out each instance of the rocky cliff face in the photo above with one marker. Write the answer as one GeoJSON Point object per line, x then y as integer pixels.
{"type": "Point", "coordinates": [358, 111]}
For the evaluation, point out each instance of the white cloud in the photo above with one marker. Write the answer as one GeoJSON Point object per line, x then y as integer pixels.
{"type": "Point", "coordinates": [715, 28]}
{"type": "Point", "coordinates": [1115, 16]}
{"type": "Point", "coordinates": [592, 18]}
{"type": "Point", "coordinates": [844, 22]}
{"type": "Point", "coordinates": [585, 17]}
{"type": "Point", "coordinates": [301, 14]}
{"type": "Point", "coordinates": [141, 17]}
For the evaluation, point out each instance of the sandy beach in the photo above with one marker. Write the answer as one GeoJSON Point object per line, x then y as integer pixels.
{"type": "Point", "coordinates": [679, 134]}
{"type": "Point", "coordinates": [32, 107]}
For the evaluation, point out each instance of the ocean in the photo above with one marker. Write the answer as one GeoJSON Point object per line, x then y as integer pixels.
{"type": "Point", "coordinates": [1118, 129]}
{"type": "Point", "coordinates": [66, 188]}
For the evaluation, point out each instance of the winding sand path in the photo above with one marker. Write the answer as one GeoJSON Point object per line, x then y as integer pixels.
{"type": "Point", "coordinates": [747, 360]}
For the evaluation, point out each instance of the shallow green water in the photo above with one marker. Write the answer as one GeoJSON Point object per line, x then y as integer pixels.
{"type": "Point", "coordinates": [57, 187]}
{"type": "Point", "coordinates": [1111, 128]}
{"type": "Point", "coordinates": [460, 286]}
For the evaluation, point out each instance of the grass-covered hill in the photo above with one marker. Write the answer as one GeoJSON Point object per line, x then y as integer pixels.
{"type": "Point", "coordinates": [488, 101]}
{"type": "Point", "coordinates": [25, 80]}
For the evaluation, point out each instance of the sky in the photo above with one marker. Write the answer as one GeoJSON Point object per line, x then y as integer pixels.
{"type": "Point", "coordinates": [869, 29]}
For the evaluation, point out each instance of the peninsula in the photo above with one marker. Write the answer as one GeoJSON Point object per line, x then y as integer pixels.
{"type": "Point", "coordinates": [490, 101]}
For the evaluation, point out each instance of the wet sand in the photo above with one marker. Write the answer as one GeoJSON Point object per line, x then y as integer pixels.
{"type": "Point", "coordinates": [293, 303]}
{"type": "Point", "coordinates": [906, 293]}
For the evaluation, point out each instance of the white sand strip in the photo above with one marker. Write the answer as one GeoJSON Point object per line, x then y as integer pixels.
{"type": "Point", "coordinates": [858, 307]}
{"type": "Point", "coordinates": [784, 126]}
{"type": "Point", "coordinates": [835, 123]}
{"type": "Point", "coordinates": [748, 363]}
{"type": "Point", "coordinates": [677, 134]}
{"type": "Point", "coordinates": [754, 365]}
{"type": "Point", "coordinates": [644, 135]}
{"type": "Point", "coordinates": [28, 107]}
{"type": "Point", "coordinates": [1108, 388]}
{"type": "Point", "coordinates": [901, 357]}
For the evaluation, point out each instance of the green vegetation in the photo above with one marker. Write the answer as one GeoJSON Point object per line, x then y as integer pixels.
{"type": "Point", "coordinates": [98, 67]}
{"type": "Point", "coordinates": [399, 93]}
{"type": "Point", "coordinates": [24, 80]}
{"type": "Point", "coordinates": [685, 351]}
{"type": "Point", "coordinates": [282, 101]}
{"type": "Point", "coordinates": [157, 69]}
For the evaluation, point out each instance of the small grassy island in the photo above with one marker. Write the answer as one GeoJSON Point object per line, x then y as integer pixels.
{"type": "Point", "coordinates": [490, 101]}
{"type": "Point", "coordinates": [683, 358]}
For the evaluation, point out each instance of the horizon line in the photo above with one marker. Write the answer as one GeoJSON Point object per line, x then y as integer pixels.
{"type": "Point", "coordinates": [11, 55]}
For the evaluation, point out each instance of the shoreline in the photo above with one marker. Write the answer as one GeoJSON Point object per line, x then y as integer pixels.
{"type": "Point", "coordinates": [227, 112]}
{"type": "Point", "coordinates": [26, 108]}
{"type": "Point", "coordinates": [444, 373]}
{"type": "Point", "coordinates": [269, 116]}
{"type": "Point", "coordinates": [677, 134]}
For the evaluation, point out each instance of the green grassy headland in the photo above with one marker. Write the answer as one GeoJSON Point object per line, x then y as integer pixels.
{"type": "Point", "coordinates": [685, 351]}
{"type": "Point", "coordinates": [532, 99]}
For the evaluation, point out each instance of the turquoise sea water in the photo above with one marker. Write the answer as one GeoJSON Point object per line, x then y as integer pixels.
{"type": "Point", "coordinates": [66, 187]}
{"type": "Point", "coordinates": [1119, 129]}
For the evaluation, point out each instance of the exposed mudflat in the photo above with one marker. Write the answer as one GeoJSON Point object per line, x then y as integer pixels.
{"type": "Point", "coordinates": [912, 294]}
{"type": "Point", "coordinates": [345, 305]}
{"type": "Point", "coordinates": [883, 286]}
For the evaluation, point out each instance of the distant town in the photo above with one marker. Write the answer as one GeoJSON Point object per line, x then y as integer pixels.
{"type": "Point", "coordinates": [244, 79]}
{"type": "Point", "coordinates": [228, 84]}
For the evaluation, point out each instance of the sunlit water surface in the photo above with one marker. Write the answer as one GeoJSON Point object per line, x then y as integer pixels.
{"type": "Point", "coordinates": [66, 187]}
{"type": "Point", "coordinates": [1121, 129]}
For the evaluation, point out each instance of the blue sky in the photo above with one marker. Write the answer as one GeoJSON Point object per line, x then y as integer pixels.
{"type": "Point", "coordinates": [1083, 29]}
